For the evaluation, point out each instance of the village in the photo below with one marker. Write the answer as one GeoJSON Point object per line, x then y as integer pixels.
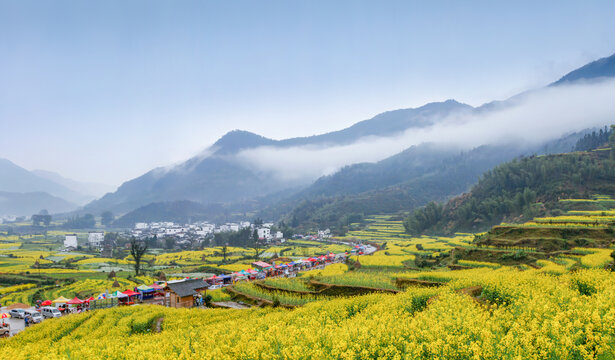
{"type": "Point", "coordinates": [188, 292]}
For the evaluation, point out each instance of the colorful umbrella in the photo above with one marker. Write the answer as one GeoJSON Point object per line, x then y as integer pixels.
{"type": "Point", "coordinates": [46, 303]}
{"type": "Point", "coordinates": [4, 316]}
{"type": "Point", "coordinates": [60, 300]}
{"type": "Point", "coordinates": [75, 301]}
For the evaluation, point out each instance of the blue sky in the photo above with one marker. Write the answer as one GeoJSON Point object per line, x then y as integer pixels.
{"type": "Point", "coordinates": [104, 91]}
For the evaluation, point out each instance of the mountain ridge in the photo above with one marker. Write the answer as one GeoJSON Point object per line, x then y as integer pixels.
{"type": "Point", "coordinates": [217, 176]}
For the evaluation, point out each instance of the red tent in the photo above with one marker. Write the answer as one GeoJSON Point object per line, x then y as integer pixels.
{"type": "Point", "coordinates": [75, 301]}
{"type": "Point", "coordinates": [130, 293]}
{"type": "Point", "coordinates": [46, 303]}
{"type": "Point", "coordinates": [88, 300]}
{"type": "Point", "coordinates": [156, 287]}
{"type": "Point", "coordinates": [312, 259]}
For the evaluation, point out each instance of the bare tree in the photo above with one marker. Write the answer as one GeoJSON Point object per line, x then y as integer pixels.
{"type": "Point", "coordinates": [137, 250]}
{"type": "Point", "coordinates": [257, 244]}
{"type": "Point", "coordinates": [224, 251]}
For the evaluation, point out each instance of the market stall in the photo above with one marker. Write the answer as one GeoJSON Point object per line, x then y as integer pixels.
{"type": "Point", "coordinates": [145, 291]}
{"type": "Point", "coordinates": [132, 296]}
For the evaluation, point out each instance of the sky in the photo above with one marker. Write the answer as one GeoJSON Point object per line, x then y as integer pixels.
{"type": "Point", "coordinates": [105, 91]}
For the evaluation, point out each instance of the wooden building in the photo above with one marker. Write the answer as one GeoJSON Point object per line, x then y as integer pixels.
{"type": "Point", "coordinates": [183, 293]}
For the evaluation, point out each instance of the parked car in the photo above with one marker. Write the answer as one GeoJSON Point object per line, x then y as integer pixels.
{"type": "Point", "coordinates": [35, 316]}
{"type": "Point", "coordinates": [214, 287]}
{"type": "Point", "coordinates": [17, 313]}
{"type": "Point", "coordinates": [50, 312]}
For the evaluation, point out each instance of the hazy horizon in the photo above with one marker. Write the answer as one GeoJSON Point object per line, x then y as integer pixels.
{"type": "Point", "coordinates": [101, 95]}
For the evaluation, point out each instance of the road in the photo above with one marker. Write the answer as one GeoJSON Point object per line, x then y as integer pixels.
{"type": "Point", "coordinates": [17, 325]}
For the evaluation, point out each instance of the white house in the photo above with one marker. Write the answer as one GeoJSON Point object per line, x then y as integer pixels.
{"type": "Point", "coordinates": [95, 239]}
{"type": "Point", "coordinates": [141, 226]}
{"type": "Point", "coordinates": [70, 241]}
{"type": "Point", "coordinates": [278, 235]}
{"type": "Point", "coordinates": [263, 233]}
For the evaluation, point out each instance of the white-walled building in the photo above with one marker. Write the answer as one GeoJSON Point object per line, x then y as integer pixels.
{"type": "Point", "coordinates": [95, 239]}
{"type": "Point", "coordinates": [141, 226]}
{"type": "Point", "coordinates": [70, 241]}
{"type": "Point", "coordinates": [263, 233]}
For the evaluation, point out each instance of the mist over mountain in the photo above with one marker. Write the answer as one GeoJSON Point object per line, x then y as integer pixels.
{"type": "Point", "coordinates": [596, 70]}
{"type": "Point", "coordinates": [25, 204]}
{"type": "Point", "coordinates": [242, 167]}
{"type": "Point", "coordinates": [25, 190]}
{"type": "Point", "coordinates": [87, 189]}
{"type": "Point", "coordinates": [220, 176]}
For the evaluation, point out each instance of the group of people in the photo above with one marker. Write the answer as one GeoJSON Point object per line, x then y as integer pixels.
{"type": "Point", "coordinates": [27, 320]}
{"type": "Point", "coordinates": [65, 309]}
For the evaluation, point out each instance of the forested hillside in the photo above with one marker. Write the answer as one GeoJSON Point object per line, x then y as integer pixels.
{"type": "Point", "coordinates": [413, 181]}
{"type": "Point", "coordinates": [400, 183]}
{"type": "Point", "coordinates": [518, 191]}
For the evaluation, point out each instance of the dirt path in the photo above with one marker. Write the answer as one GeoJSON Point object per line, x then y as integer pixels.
{"type": "Point", "coordinates": [230, 305]}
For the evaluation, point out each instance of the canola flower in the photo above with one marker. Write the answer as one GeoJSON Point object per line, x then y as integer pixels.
{"type": "Point", "coordinates": [377, 280]}
{"type": "Point", "coordinates": [16, 288]}
{"type": "Point", "coordinates": [292, 284]}
{"type": "Point", "coordinates": [518, 315]}
{"type": "Point", "coordinates": [330, 270]}
{"type": "Point", "coordinates": [472, 263]}
{"type": "Point", "coordinates": [595, 257]}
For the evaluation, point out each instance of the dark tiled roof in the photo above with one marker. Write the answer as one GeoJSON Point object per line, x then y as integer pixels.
{"type": "Point", "coordinates": [188, 287]}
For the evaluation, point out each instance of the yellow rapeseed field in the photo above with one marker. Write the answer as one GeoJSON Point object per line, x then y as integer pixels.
{"type": "Point", "coordinates": [520, 315]}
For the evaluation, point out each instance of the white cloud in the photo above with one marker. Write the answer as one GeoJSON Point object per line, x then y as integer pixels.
{"type": "Point", "coordinates": [534, 117]}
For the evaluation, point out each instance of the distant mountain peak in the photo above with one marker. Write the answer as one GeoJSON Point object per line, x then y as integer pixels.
{"type": "Point", "coordinates": [236, 140]}
{"type": "Point", "coordinates": [601, 68]}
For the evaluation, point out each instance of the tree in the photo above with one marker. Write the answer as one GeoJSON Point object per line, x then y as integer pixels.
{"type": "Point", "coordinates": [137, 250]}
{"type": "Point", "coordinates": [86, 221]}
{"type": "Point", "coordinates": [256, 245]}
{"type": "Point", "coordinates": [169, 242]}
{"type": "Point", "coordinates": [612, 137]}
{"type": "Point", "coordinates": [224, 251]}
{"type": "Point", "coordinates": [106, 218]}
{"type": "Point", "coordinates": [41, 217]}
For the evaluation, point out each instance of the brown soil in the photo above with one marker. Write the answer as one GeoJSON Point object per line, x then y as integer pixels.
{"type": "Point", "coordinates": [159, 324]}
{"type": "Point", "coordinates": [256, 300]}
{"type": "Point", "coordinates": [17, 306]}
{"type": "Point", "coordinates": [404, 283]}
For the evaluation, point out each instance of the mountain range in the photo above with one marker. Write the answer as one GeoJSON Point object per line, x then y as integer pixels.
{"type": "Point", "coordinates": [24, 192]}
{"type": "Point", "coordinates": [225, 178]}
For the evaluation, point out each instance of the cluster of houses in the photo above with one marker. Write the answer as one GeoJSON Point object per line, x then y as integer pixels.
{"type": "Point", "coordinates": [202, 230]}
{"type": "Point", "coordinates": [11, 218]}
{"type": "Point", "coordinates": [187, 234]}
{"type": "Point", "coordinates": [95, 240]}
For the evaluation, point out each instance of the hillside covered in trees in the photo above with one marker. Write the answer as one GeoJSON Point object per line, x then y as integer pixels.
{"type": "Point", "coordinates": [518, 191]}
